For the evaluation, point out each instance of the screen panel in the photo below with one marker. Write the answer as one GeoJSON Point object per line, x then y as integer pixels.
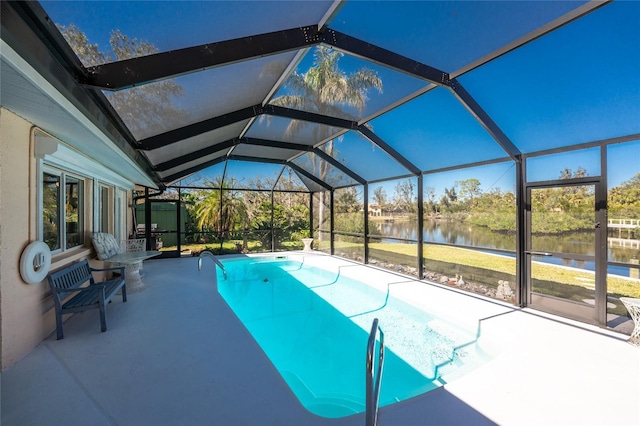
{"type": "Point", "coordinates": [596, 97]}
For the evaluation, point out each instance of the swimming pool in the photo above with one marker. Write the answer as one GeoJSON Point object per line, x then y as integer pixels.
{"type": "Point", "coordinates": [313, 323]}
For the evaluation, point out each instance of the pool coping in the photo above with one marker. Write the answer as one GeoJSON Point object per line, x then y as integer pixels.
{"type": "Point", "coordinates": [167, 363]}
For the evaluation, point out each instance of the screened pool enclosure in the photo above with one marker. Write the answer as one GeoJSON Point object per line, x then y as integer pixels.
{"type": "Point", "coordinates": [490, 146]}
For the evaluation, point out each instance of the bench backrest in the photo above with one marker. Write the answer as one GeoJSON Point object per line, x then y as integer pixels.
{"type": "Point", "coordinates": [105, 245]}
{"type": "Point", "coordinates": [72, 276]}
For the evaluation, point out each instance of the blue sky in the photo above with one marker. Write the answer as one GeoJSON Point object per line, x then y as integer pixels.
{"type": "Point", "coordinates": [578, 84]}
{"type": "Point", "coordinates": [173, 25]}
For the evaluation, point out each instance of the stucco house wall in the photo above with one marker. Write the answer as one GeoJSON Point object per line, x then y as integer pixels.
{"type": "Point", "coordinates": [26, 310]}
{"type": "Point", "coordinates": [24, 323]}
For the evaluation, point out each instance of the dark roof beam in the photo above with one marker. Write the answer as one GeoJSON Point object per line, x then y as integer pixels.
{"type": "Point", "coordinates": [176, 162]}
{"type": "Point", "coordinates": [485, 120]}
{"type": "Point", "coordinates": [311, 117]}
{"type": "Point", "coordinates": [337, 164]}
{"type": "Point", "coordinates": [284, 162]}
{"type": "Point", "coordinates": [195, 129]}
{"type": "Point", "coordinates": [186, 172]}
{"type": "Point", "coordinates": [277, 144]}
{"type": "Point", "coordinates": [145, 69]}
{"type": "Point", "coordinates": [309, 176]}
{"type": "Point", "coordinates": [389, 150]}
{"type": "Point", "coordinates": [384, 57]}
{"type": "Point", "coordinates": [275, 182]}
{"type": "Point", "coordinates": [568, 17]}
{"type": "Point", "coordinates": [256, 159]}
{"type": "Point", "coordinates": [27, 29]}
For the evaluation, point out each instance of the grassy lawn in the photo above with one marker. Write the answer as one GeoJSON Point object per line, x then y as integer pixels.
{"type": "Point", "coordinates": [544, 272]}
{"type": "Point", "coordinates": [615, 284]}
{"type": "Point", "coordinates": [491, 262]}
{"type": "Point", "coordinates": [229, 247]}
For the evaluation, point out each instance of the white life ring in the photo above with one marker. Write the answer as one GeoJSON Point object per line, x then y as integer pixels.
{"type": "Point", "coordinates": [35, 262]}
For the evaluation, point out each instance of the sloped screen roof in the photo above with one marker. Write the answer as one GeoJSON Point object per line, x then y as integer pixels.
{"type": "Point", "coordinates": [333, 94]}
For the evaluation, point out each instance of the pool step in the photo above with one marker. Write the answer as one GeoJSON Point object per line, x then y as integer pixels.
{"type": "Point", "coordinates": [327, 405]}
{"type": "Point", "coordinates": [336, 407]}
{"type": "Point", "coordinates": [425, 342]}
{"type": "Point", "coordinates": [302, 391]}
{"type": "Point", "coordinates": [431, 346]}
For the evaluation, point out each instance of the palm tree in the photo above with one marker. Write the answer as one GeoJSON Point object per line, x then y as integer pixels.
{"type": "Point", "coordinates": [221, 209]}
{"type": "Point", "coordinates": [208, 210]}
{"type": "Point", "coordinates": [326, 89]}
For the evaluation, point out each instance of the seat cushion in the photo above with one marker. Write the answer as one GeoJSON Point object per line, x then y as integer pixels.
{"type": "Point", "coordinates": [105, 245]}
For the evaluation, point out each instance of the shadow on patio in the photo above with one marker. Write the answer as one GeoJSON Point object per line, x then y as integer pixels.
{"type": "Point", "coordinates": [175, 354]}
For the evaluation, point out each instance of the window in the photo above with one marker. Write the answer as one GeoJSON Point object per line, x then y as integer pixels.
{"type": "Point", "coordinates": [51, 210]}
{"type": "Point", "coordinates": [62, 210]}
{"type": "Point", "coordinates": [74, 229]}
{"type": "Point", "coordinates": [120, 219]}
{"type": "Point", "coordinates": [105, 208]}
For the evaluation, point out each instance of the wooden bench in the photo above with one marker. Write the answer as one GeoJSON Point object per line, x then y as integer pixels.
{"type": "Point", "coordinates": [94, 296]}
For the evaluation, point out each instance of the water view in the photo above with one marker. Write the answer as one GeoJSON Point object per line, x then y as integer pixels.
{"type": "Point", "coordinates": [457, 233]}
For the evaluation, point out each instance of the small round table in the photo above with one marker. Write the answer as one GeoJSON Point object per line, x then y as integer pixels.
{"type": "Point", "coordinates": [132, 263]}
{"type": "Point", "coordinates": [633, 306]}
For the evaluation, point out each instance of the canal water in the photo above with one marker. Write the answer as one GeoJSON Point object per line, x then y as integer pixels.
{"type": "Point", "coordinates": [458, 233]}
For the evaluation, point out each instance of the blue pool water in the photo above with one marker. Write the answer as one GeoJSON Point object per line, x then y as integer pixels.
{"type": "Point", "coordinates": [313, 325]}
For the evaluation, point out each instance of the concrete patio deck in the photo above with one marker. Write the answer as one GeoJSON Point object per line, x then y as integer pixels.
{"type": "Point", "coordinates": [175, 354]}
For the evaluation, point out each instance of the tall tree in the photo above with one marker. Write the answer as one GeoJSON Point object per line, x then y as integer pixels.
{"type": "Point", "coordinates": [403, 199]}
{"type": "Point", "coordinates": [346, 201]}
{"type": "Point", "coordinates": [567, 173]}
{"type": "Point", "coordinates": [220, 209]}
{"type": "Point", "coordinates": [470, 191]}
{"type": "Point", "coordinates": [328, 90]}
{"type": "Point", "coordinates": [296, 204]}
{"type": "Point", "coordinates": [624, 200]}
{"type": "Point", "coordinates": [380, 196]}
{"type": "Point", "coordinates": [430, 205]}
{"type": "Point", "coordinates": [451, 194]}
{"type": "Point", "coordinates": [147, 109]}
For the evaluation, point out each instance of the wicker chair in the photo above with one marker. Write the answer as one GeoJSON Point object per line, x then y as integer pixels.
{"type": "Point", "coordinates": [134, 245]}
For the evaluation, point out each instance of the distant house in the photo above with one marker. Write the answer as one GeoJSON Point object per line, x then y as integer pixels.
{"type": "Point", "coordinates": [375, 210]}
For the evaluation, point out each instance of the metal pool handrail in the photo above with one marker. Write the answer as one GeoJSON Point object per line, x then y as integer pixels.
{"type": "Point", "coordinates": [216, 261]}
{"type": "Point", "coordinates": [373, 391]}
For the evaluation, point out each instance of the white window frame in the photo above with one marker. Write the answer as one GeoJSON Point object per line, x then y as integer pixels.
{"type": "Point", "coordinates": [116, 209]}
{"type": "Point", "coordinates": [53, 155]}
{"type": "Point", "coordinates": [62, 201]}
{"type": "Point", "coordinates": [100, 209]}
{"type": "Point", "coordinates": [121, 217]}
